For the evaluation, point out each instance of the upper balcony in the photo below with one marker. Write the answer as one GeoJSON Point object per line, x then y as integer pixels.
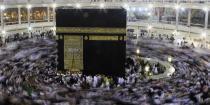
{"type": "Point", "coordinates": [16, 14]}
{"type": "Point", "coordinates": [21, 2]}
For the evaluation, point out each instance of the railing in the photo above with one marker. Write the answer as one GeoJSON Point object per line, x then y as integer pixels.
{"type": "Point", "coordinates": [37, 21]}
{"type": "Point", "coordinates": [167, 22]}
{"type": "Point", "coordinates": [11, 23]}
{"type": "Point", "coordinates": [154, 21]}
{"type": "Point", "coordinates": [197, 25]}
{"type": "Point", "coordinates": [145, 1]}
{"type": "Point", "coordinates": [183, 23]}
{"type": "Point", "coordinates": [111, 1]}
{"type": "Point", "coordinates": [22, 22]}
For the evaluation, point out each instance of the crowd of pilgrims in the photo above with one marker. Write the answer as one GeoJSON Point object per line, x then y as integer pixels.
{"type": "Point", "coordinates": [191, 81]}
{"type": "Point", "coordinates": [182, 44]}
{"type": "Point", "coordinates": [188, 85]}
{"type": "Point", "coordinates": [25, 35]}
{"type": "Point", "coordinates": [135, 71]}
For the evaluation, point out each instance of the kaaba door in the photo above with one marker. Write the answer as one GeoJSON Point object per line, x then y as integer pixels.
{"type": "Point", "coordinates": [73, 53]}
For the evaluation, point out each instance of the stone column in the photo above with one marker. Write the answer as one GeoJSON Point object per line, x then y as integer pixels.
{"type": "Point", "coordinates": [177, 18]}
{"type": "Point", "coordinates": [2, 19]}
{"type": "Point", "coordinates": [19, 15]}
{"type": "Point", "coordinates": [48, 14]}
{"type": "Point", "coordinates": [206, 19]}
{"type": "Point", "coordinates": [189, 18]}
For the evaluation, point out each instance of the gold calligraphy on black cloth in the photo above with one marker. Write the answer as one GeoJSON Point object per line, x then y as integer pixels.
{"type": "Point", "coordinates": [90, 30]}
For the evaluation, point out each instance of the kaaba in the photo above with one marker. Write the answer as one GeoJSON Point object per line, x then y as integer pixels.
{"type": "Point", "coordinates": [91, 41]}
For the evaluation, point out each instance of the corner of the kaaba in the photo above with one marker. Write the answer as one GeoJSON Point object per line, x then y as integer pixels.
{"type": "Point", "coordinates": [91, 41]}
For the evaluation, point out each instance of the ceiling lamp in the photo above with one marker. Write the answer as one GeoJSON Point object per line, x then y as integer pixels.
{"type": "Point", "coordinates": [140, 9]}
{"type": "Point", "coordinates": [149, 13]}
{"type": "Point", "coordinates": [125, 5]}
{"type": "Point", "coordinates": [78, 5]}
{"type": "Point", "coordinates": [29, 6]}
{"type": "Point", "coordinates": [177, 7]}
{"type": "Point", "coordinates": [133, 8]}
{"type": "Point", "coordinates": [149, 27]}
{"type": "Point", "coordinates": [145, 9]}
{"type": "Point", "coordinates": [182, 8]}
{"type": "Point", "coordinates": [3, 32]}
{"type": "Point", "coordinates": [150, 6]}
{"type": "Point", "coordinates": [29, 28]}
{"type": "Point", "coordinates": [203, 34]}
{"type": "Point", "coordinates": [54, 5]}
{"type": "Point", "coordinates": [2, 7]}
{"type": "Point", "coordinates": [205, 9]}
{"type": "Point", "coordinates": [102, 5]}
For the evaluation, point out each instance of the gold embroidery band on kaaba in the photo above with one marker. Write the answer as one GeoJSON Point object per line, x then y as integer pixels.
{"type": "Point", "coordinates": [91, 30]}
{"type": "Point", "coordinates": [103, 37]}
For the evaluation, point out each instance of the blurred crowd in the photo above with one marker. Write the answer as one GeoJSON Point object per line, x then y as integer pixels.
{"type": "Point", "coordinates": [14, 37]}
{"type": "Point", "coordinates": [180, 42]}
{"type": "Point", "coordinates": [28, 76]}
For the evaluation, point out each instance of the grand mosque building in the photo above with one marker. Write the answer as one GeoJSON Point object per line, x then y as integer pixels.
{"type": "Point", "coordinates": [104, 52]}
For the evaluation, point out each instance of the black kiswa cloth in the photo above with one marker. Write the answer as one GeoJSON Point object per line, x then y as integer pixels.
{"type": "Point", "coordinates": [91, 18]}
{"type": "Point", "coordinates": [103, 40]}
